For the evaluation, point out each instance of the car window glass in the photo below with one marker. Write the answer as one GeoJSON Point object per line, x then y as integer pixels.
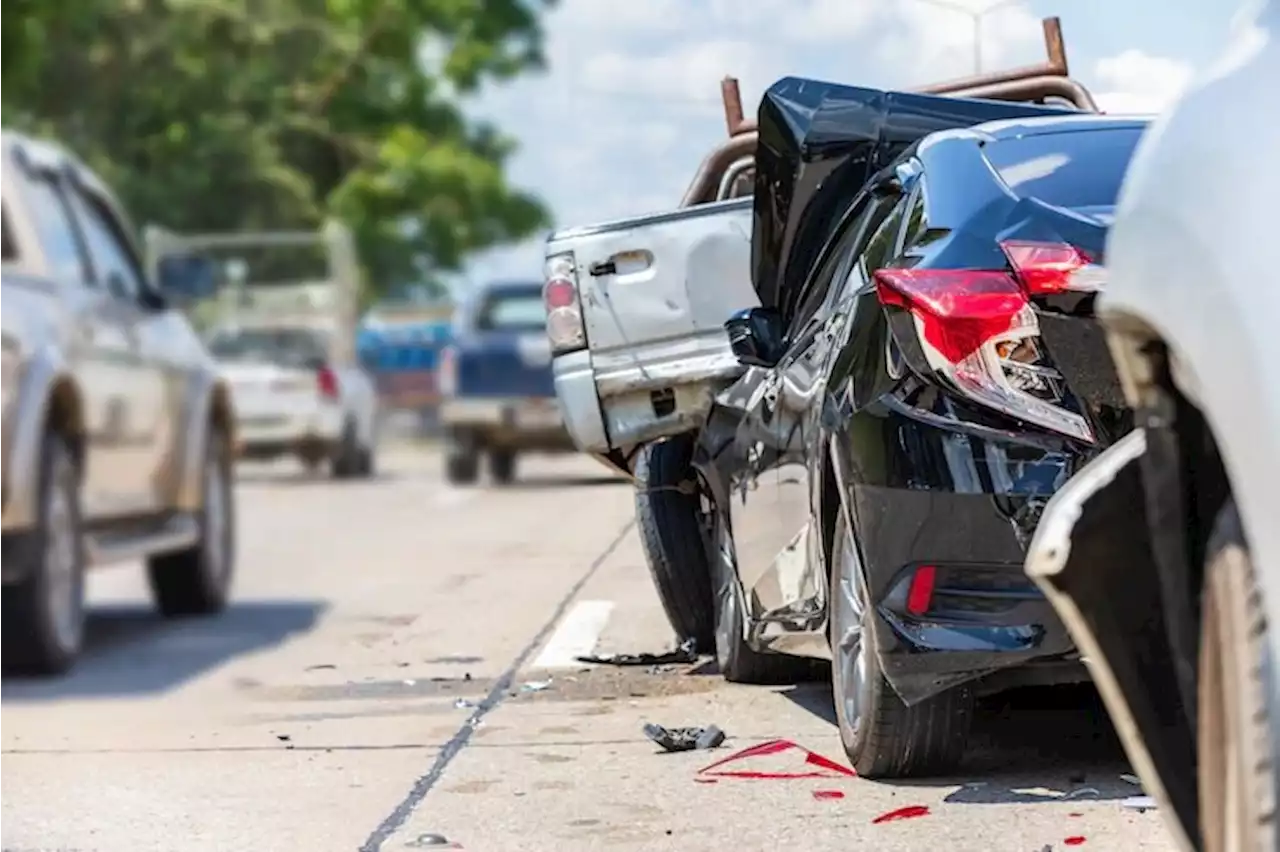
{"type": "Point", "coordinates": [1073, 169]}
{"type": "Point", "coordinates": [10, 248]}
{"type": "Point", "coordinates": [52, 219]}
{"type": "Point", "coordinates": [513, 312]}
{"type": "Point", "coordinates": [113, 262]}
{"type": "Point", "coordinates": [290, 347]}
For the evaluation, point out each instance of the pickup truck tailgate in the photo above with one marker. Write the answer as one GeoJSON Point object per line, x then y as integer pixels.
{"type": "Point", "coordinates": [655, 293]}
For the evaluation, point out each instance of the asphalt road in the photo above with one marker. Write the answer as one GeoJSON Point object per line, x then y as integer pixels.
{"type": "Point", "coordinates": [380, 683]}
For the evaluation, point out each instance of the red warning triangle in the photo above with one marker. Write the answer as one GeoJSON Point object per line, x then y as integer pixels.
{"type": "Point", "coordinates": [764, 762]}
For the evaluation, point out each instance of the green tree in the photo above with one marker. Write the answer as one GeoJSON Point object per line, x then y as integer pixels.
{"type": "Point", "coordinates": [253, 114]}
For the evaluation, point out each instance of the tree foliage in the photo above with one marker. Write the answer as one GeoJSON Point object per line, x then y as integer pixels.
{"type": "Point", "coordinates": [265, 114]}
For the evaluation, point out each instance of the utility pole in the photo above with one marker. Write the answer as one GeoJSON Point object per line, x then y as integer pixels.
{"type": "Point", "coordinates": [975, 15]}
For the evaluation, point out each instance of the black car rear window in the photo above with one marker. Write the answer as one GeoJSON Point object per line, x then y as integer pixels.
{"type": "Point", "coordinates": [1082, 168]}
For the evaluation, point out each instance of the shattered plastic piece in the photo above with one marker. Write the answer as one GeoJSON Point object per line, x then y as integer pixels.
{"type": "Point", "coordinates": [409, 682]}
{"type": "Point", "coordinates": [463, 704]}
{"type": "Point", "coordinates": [536, 685]}
{"type": "Point", "coordinates": [684, 739]}
{"type": "Point", "coordinates": [432, 841]}
{"type": "Point", "coordinates": [1074, 841]}
{"type": "Point", "coordinates": [1139, 803]}
{"type": "Point", "coordinates": [686, 652]}
{"type": "Point", "coordinates": [321, 667]}
{"type": "Point", "coordinates": [821, 795]}
{"type": "Point", "coordinates": [1083, 791]}
{"type": "Point", "coordinates": [909, 812]}
{"type": "Point", "coordinates": [284, 738]}
{"type": "Point", "coordinates": [815, 765]}
{"type": "Point", "coordinates": [1132, 779]}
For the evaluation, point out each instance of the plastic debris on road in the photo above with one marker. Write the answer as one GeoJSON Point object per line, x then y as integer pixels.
{"type": "Point", "coordinates": [813, 764]}
{"type": "Point", "coordinates": [684, 739]}
{"type": "Point", "coordinates": [686, 652]}
{"type": "Point", "coordinates": [908, 812]}
{"type": "Point", "coordinates": [1139, 803]}
{"type": "Point", "coordinates": [535, 685]}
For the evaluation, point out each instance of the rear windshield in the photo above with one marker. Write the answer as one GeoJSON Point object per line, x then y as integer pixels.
{"type": "Point", "coordinates": [289, 347]}
{"type": "Point", "coordinates": [520, 311]}
{"type": "Point", "coordinates": [1081, 168]}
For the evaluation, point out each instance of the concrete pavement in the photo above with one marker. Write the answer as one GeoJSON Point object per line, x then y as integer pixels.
{"type": "Point", "coordinates": [379, 684]}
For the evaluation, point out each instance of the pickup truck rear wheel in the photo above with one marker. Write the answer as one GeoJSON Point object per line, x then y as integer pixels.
{"type": "Point", "coordinates": [461, 459]}
{"type": "Point", "coordinates": [673, 530]}
{"type": "Point", "coordinates": [197, 581]}
{"type": "Point", "coordinates": [346, 460]}
{"type": "Point", "coordinates": [44, 612]}
{"type": "Point", "coordinates": [881, 735]}
{"type": "Point", "coordinates": [502, 466]}
{"type": "Point", "coordinates": [1236, 768]}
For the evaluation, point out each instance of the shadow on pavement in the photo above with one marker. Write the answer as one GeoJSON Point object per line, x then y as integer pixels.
{"type": "Point", "coordinates": [132, 651]}
{"type": "Point", "coordinates": [537, 483]}
{"type": "Point", "coordinates": [1035, 744]}
{"type": "Point", "coordinates": [266, 475]}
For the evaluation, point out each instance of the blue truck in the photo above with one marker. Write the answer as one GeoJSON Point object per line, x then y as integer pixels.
{"type": "Point", "coordinates": [498, 398]}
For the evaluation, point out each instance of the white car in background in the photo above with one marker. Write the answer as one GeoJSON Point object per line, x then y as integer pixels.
{"type": "Point", "coordinates": [293, 398]}
{"type": "Point", "coordinates": [1179, 616]}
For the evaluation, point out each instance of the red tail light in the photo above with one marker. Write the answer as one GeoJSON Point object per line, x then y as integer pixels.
{"type": "Point", "coordinates": [565, 328]}
{"type": "Point", "coordinates": [1048, 268]}
{"type": "Point", "coordinates": [979, 333]}
{"type": "Point", "coordinates": [327, 382]}
{"type": "Point", "coordinates": [920, 592]}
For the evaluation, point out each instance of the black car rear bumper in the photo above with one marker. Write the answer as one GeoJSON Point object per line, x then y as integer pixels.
{"type": "Point", "coordinates": [967, 507]}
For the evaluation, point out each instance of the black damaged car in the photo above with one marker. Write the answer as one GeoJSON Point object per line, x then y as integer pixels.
{"type": "Point", "coordinates": [924, 372]}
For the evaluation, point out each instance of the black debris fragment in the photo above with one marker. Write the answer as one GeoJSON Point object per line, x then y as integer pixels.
{"type": "Point", "coordinates": [685, 739]}
{"type": "Point", "coordinates": [686, 652]}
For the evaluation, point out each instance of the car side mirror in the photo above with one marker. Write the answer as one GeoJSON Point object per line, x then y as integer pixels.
{"type": "Point", "coordinates": [184, 279]}
{"type": "Point", "coordinates": [755, 336]}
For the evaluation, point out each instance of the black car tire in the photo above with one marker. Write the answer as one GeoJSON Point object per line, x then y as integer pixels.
{"type": "Point", "coordinates": [34, 641]}
{"type": "Point", "coordinates": [197, 580]}
{"type": "Point", "coordinates": [461, 458]}
{"type": "Point", "coordinates": [888, 738]}
{"type": "Point", "coordinates": [366, 466]}
{"type": "Point", "coordinates": [1234, 744]}
{"type": "Point", "coordinates": [502, 466]}
{"type": "Point", "coordinates": [739, 662]}
{"type": "Point", "coordinates": [670, 517]}
{"type": "Point", "coordinates": [346, 460]}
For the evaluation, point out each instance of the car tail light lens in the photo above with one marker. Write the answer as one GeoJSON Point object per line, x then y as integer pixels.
{"type": "Point", "coordinates": [565, 328]}
{"type": "Point", "coordinates": [920, 592]}
{"type": "Point", "coordinates": [978, 331]}
{"type": "Point", "coordinates": [1048, 268]}
{"type": "Point", "coordinates": [327, 382]}
{"type": "Point", "coordinates": [447, 370]}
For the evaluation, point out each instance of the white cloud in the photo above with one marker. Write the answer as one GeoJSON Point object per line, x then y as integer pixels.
{"type": "Point", "coordinates": [630, 102]}
{"type": "Point", "coordinates": [1137, 82]}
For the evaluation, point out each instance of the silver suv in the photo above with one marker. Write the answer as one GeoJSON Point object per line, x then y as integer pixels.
{"type": "Point", "coordinates": [118, 434]}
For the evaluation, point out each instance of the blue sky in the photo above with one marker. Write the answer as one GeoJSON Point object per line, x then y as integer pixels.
{"type": "Point", "coordinates": [630, 102]}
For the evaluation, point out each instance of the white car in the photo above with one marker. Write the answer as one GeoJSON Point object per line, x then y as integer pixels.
{"type": "Point", "coordinates": [1180, 616]}
{"type": "Point", "coordinates": [292, 398]}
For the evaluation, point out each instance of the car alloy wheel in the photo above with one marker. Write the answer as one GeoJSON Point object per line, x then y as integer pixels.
{"type": "Point", "coordinates": [848, 650]}
{"type": "Point", "coordinates": [64, 577]}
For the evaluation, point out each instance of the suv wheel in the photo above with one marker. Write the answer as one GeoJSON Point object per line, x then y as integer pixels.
{"type": "Point", "coordinates": [462, 459]}
{"type": "Point", "coordinates": [502, 466]}
{"type": "Point", "coordinates": [44, 612]}
{"type": "Point", "coordinates": [197, 581]}
{"type": "Point", "coordinates": [1236, 752]}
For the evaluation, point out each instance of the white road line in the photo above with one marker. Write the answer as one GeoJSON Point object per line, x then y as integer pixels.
{"type": "Point", "coordinates": [577, 634]}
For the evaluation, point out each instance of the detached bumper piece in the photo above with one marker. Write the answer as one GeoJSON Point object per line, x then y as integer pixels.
{"type": "Point", "coordinates": [1092, 556]}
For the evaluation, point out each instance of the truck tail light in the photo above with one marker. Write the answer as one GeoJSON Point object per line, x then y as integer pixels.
{"type": "Point", "coordinates": [447, 371]}
{"type": "Point", "coordinates": [565, 328]}
{"type": "Point", "coordinates": [979, 333]}
{"type": "Point", "coordinates": [327, 382]}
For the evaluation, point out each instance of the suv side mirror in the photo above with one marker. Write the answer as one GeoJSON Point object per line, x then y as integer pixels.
{"type": "Point", "coordinates": [755, 336]}
{"type": "Point", "coordinates": [187, 278]}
